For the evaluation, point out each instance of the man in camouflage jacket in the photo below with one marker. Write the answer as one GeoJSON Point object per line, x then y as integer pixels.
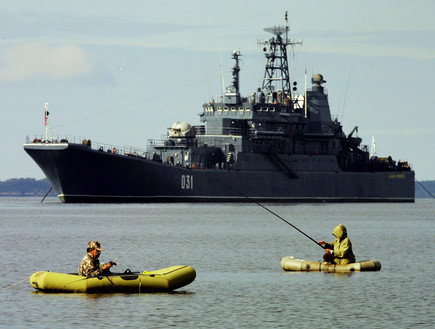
{"type": "Point", "coordinates": [90, 265]}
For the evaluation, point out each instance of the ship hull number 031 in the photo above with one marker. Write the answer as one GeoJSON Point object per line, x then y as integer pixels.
{"type": "Point", "coordinates": [187, 182]}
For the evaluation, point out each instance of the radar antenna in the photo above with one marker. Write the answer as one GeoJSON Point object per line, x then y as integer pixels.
{"type": "Point", "coordinates": [276, 75]}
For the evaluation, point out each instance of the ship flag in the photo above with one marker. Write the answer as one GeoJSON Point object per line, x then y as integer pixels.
{"type": "Point", "coordinates": [46, 114]}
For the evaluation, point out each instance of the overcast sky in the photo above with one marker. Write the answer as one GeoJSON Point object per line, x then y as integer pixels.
{"type": "Point", "coordinates": [121, 72]}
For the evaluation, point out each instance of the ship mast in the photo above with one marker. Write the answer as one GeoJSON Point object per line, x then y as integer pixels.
{"type": "Point", "coordinates": [236, 70]}
{"type": "Point", "coordinates": [232, 93]}
{"type": "Point", "coordinates": [276, 75]}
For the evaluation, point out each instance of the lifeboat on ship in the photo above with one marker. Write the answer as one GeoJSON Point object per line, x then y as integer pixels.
{"type": "Point", "coordinates": [290, 263]}
{"type": "Point", "coordinates": [163, 280]}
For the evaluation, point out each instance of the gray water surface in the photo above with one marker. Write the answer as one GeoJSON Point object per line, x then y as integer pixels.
{"type": "Point", "coordinates": [235, 250]}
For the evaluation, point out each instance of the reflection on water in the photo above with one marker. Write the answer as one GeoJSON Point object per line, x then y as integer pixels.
{"type": "Point", "coordinates": [236, 251]}
{"type": "Point", "coordinates": [107, 295]}
{"type": "Point", "coordinates": [326, 274]}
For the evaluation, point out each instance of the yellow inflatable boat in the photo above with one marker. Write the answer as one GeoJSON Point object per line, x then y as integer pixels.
{"type": "Point", "coordinates": [166, 279]}
{"type": "Point", "coordinates": [292, 264]}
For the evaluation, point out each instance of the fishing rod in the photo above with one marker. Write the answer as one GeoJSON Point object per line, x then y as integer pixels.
{"type": "Point", "coordinates": [117, 258]}
{"type": "Point", "coordinates": [13, 285]}
{"type": "Point", "coordinates": [276, 215]}
{"type": "Point", "coordinates": [112, 262]}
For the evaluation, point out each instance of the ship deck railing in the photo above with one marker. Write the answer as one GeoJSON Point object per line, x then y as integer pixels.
{"type": "Point", "coordinates": [103, 147]}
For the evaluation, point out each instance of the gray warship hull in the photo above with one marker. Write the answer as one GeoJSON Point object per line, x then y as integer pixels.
{"type": "Point", "coordinates": [79, 173]}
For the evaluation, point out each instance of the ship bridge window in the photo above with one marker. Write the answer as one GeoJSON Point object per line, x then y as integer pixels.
{"type": "Point", "coordinates": [209, 110]}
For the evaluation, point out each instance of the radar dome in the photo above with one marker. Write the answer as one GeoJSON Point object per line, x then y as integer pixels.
{"type": "Point", "coordinates": [179, 129]}
{"type": "Point", "coordinates": [182, 126]}
{"type": "Point", "coordinates": [317, 79]}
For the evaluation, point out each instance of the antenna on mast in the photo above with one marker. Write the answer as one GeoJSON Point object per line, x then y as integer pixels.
{"type": "Point", "coordinates": [236, 70]}
{"type": "Point", "coordinates": [286, 26]}
{"type": "Point", "coordinates": [276, 75]}
{"type": "Point", "coordinates": [222, 73]}
{"type": "Point", "coordinates": [305, 96]}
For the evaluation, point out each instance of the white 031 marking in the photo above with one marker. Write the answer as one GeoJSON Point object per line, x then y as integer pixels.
{"type": "Point", "coordinates": [187, 182]}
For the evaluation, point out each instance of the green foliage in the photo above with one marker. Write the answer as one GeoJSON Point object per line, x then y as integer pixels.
{"type": "Point", "coordinates": [24, 187]}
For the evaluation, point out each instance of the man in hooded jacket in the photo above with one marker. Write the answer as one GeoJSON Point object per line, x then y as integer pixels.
{"type": "Point", "coordinates": [339, 251]}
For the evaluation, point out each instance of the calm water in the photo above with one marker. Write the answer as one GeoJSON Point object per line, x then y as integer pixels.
{"type": "Point", "coordinates": [235, 249]}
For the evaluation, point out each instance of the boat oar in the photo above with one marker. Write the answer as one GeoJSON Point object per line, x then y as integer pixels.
{"type": "Point", "coordinates": [276, 215]}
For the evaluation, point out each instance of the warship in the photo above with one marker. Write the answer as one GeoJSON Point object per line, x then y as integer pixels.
{"type": "Point", "coordinates": [274, 145]}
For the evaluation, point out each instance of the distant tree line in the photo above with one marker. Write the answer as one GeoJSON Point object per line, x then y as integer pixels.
{"type": "Point", "coordinates": [33, 187]}
{"type": "Point", "coordinates": [25, 187]}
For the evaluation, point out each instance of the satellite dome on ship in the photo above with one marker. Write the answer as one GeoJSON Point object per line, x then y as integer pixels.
{"type": "Point", "coordinates": [179, 129]}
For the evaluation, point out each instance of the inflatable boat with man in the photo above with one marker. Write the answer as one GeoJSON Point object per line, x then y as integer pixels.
{"type": "Point", "coordinates": [290, 263]}
{"type": "Point", "coordinates": [163, 280]}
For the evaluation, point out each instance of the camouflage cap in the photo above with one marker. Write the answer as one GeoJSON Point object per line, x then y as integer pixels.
{"type": "Point", "coordinates": [94, 245]}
